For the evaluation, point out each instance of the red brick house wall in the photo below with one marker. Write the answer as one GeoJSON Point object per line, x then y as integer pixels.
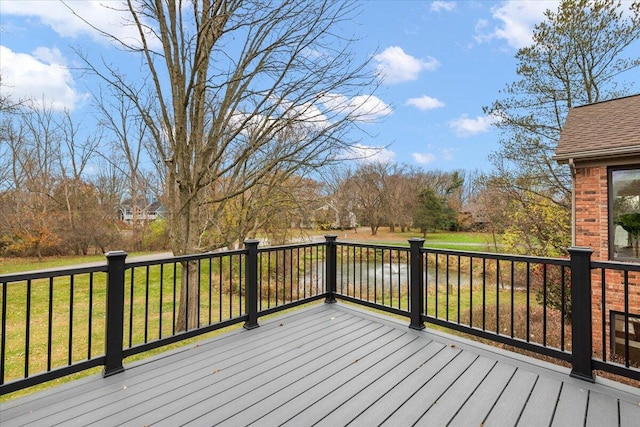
{"type": "Point", "coordinates": [592, 230]}
{"type": "Point", "coordinates": [591, 207]}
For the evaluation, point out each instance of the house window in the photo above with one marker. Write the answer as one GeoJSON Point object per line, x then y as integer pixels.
{"type": "Point", "coordinates": [624, 222]}
{"type": "Point", "coordinates": [617, 338]}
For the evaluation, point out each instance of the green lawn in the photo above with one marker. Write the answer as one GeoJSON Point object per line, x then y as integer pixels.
{"type": "Point", "coordinates": [17, 265]}
{"type": "Point", "coordinates": [463, 241]}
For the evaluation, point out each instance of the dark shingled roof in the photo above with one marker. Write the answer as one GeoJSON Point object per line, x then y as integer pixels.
{"type": "Point", "coordinates": [602, 130]}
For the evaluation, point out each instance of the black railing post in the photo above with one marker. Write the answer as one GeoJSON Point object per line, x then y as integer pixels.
{"type": "Point", "coordinates": [115, 313]}
{"type": "Point", "coordinates": [416, 286]}
{"type": "Point", "coordinates": [331, 268]}
{"type": "Point", "coordinates": [251, 283]}
{"type": "Point", "coordinates": [581, 338]}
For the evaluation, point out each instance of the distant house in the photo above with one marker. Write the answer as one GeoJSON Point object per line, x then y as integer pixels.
{"type": "Point", "coordinates": [601, 144]}
{"type": "Point", "coordinates": [329, 217]}
{"type": "Point", "coordinates": [144, 211]}
{"type": "Point", "coordinates": [474, 214]}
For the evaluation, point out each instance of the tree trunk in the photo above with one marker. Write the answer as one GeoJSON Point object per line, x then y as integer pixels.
{"type": "Point", "coordinates": [189, 296]}
{"type": "Point", "coordinates": [186, 226]}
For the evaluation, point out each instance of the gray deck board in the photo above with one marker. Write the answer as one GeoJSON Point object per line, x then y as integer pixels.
{"type": "Point", "coordinates": [508, 408]}
{"type": "Point", "coordinates": [541, 405]}
{"type": "Point", "coordinates": [256, 408]}
{"type": "Point", "coordinates": [255, 373]}
{"type": "Point", "coordinates": [629, 413]}
{"type": "Point", "coordinates": [443, 409]}
{"type": "Point", "coordinates": [411, 410]}
{"type": "Point", "coordinates": [366, 397]}
{"type": "Point", "coordinates": [275, 406]}
{"type": "Point", "coordinates": [601, 410]}
{"type": "Point", "coordinates": [347, 381]}
{"type": "Point", "coordinates": [483, 399]}
{"type": "Point", "coordinates": [572, 406]}
{"type": "Point", "coordinates": [331, 365]}
{"type": "Point", "coordinates": [445, 365]}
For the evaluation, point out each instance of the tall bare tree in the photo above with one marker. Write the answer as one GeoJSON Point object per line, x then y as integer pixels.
{"type": "Point", "coordinates": [241, 88]}
{"type": "Point", "coordinates": [120, 116]}
{"type": "Point", "coordinates": [366, 187]}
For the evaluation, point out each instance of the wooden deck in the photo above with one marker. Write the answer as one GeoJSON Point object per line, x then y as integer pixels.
{"type": "Point", "coordinates": [332, 365]}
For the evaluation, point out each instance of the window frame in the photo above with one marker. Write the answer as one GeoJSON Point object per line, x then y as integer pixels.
{"type": "Point", "coordinates": [610, 200]}
{"type": "Point", "coordinates": [635, 318]}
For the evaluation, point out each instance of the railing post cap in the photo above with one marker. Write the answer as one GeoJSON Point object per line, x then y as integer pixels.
{"type": "Point", "coordinates": [331, 237]}
{"type": "Point", "coordinates": [580, 250]}
{"type": "Point", "coordinates": [416, 241]}
{"type": "Point", "coordinates": [251, 242]}
{"type": "Point", "coordinates": [115, 254]}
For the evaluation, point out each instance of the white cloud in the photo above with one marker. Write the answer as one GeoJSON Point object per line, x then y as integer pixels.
{"type": "Point", "coordinates": [368, 108]}
{"type": "Point", "coordinates": [516, 21]}
{"type": "Point", "coordinates": [49, 56]}
{"type": "Point", "coordinates": [437, 6]}
{"type": "Point", "coordinates": [423, 158]}
{"type": "Point", "coordinates": [425, 103]}
{"type": "Point", "coordinates": [465, 126]}
{"type": "Point", "coordinates": [303, 113]}
{"type": "Point", "coordinates": [367, 154]}
{"type": "Point", "coordinates": [362, 108]}
{"type": "Point", "coordinates": [395, 66]}
{"type": "Point", "coordinates": [108, 17]}
{"type": "Point", "coordinates": [41, 77]}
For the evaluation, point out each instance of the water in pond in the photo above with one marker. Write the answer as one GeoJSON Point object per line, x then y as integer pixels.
{"type": "Point", "coordinates": [397, 274]}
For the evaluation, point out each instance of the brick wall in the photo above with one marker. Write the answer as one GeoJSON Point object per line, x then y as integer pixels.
{"type": "Point", "coordinates": [591, 210]}
{"type": "Point", "coordinates": [592, 230]}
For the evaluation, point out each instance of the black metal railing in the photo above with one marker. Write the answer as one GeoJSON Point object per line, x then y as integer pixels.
{"type": "Point", "coordinates": [616, 317]}
{"type": "Point", "coordinates": [514, 300]}
{"type": "Point", "coordinates": [50, 324]}
{"type": "Point", "coordinates": [60, 322]}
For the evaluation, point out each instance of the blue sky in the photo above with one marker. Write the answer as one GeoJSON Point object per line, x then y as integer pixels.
{"type": "Point", "coordinates": [442, 61]}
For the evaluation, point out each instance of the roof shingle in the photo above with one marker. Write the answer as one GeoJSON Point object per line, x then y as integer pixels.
{"type": "Point", "coordinates": [601, 130]}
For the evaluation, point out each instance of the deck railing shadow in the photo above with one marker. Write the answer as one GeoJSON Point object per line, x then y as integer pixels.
{"type": "Point", "coordinates": [56, 323]}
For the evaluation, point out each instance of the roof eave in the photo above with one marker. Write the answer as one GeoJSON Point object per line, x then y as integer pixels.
{"type": "Point", "coordinates": [604, 154]}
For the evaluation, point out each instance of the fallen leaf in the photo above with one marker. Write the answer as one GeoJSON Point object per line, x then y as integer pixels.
{"type": "Point", "coordinates": [281, 324]}
{"type": "Point", "coordinates": [453, 346]}
{"type": "Point", "coordinates": [216, 371]}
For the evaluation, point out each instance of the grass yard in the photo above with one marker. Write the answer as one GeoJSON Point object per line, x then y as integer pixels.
{"type": "Point", "coordinates": [464, 241]}
{"type": "Point", "coordinates": [17, 265]}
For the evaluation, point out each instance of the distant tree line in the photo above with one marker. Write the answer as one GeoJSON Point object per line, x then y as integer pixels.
{"type": "Point", "coordinates": [400, 197]}
{"type": "Point", "coordinates": [60, 193]}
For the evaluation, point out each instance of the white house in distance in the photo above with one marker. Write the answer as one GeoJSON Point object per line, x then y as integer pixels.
{"type": "Point", "coordinates": [145, 212]}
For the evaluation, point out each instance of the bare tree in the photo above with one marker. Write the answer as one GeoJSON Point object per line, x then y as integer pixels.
{"type": "Point", "coordinates": [120, 115]}
{"type": "Point", "coordinates": [241, 88]}
{"type": "Point", "coordinates": [367, 188]}
{"type": "Point", "coordinates": [74, 196]}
